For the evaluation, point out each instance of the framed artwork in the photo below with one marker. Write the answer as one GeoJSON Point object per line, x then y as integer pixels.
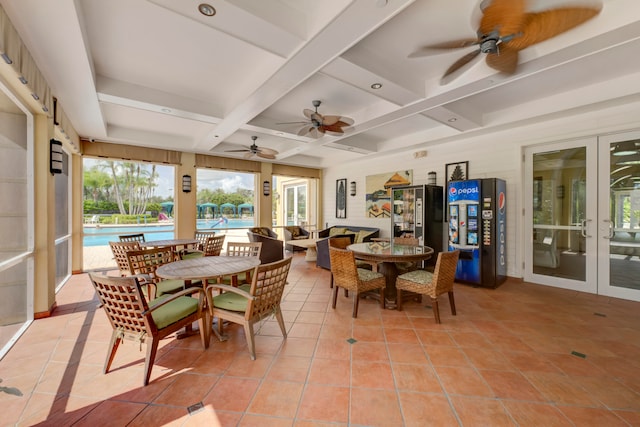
{"type": "Point", "coordinates": [458, 171]}
{"type": "Point", "coordinates": [341, 198]}
{"type": "Point", "coordinates": [378, 191]}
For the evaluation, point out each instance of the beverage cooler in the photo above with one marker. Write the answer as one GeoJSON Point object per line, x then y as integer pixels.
{"type": "Point", "coordinates": [418, 211]}
{"type": "Point", "coordinates": [477, 227]}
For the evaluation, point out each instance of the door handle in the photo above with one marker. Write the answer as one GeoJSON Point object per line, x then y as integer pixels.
{"type": "Point", "coordinates": [583, 228]}
{"type": "Point", "coordinates": [611, 232]}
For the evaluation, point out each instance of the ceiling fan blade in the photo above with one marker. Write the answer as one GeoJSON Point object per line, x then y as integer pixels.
{"type": "Point", "coordinates": [541, 26]}
{"type": "Point", "coordinates": [248, 155]}
{"type": "Point", "coordinates": [330, 120]}
{"type": "Point", "coordinates": [333, 129]}
{"type": "Point", "coordinates": [506, 16]}
{"type": "Point", "coordinates": [267, 151]}
{"type": "Point", "coordinates": [315, 132]}
{"type": "Point", "coordinates": [308, 113]}
{"type": "Point", "coordinates": [266, 156]}
{"type": "Point", "coordinates": [346, 121]}
{"type": "Point", "coordinates": [305, 130]}
{"type": "Point", "coordinates": [505, 61]}
{"type": "Point", "coordinates": [440, 48]}
{"type": "Point", "coordinates": [458, 67]}
{"type": "Point", "coordinates": [242, 150]}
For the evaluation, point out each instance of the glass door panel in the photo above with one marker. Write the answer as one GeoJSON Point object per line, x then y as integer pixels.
{"type": "Point", "coordinates": [560, 213]}
{"type": "Point", "coordinates": [619, 226]}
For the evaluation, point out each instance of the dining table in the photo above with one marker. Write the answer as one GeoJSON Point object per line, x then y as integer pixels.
{"type": "Point", "coordinates": [385, 255]}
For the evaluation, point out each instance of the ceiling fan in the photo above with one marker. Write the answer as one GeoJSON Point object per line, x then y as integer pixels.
{"type": "Point", "coordinates": [318, 125]}
{"type": "Point", "coordinates": [505, 29]}
{"type": "Point", "coordinates": [254, 150]}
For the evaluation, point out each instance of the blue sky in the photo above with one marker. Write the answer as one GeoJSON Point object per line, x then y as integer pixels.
{"type": "Point", "coordinates": [207, 178]}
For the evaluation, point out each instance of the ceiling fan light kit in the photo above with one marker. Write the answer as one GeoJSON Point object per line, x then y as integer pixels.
{"type": "Point", "coordinates": [318, 125]}
{"type": "Point", "coordinates": [505, 29]}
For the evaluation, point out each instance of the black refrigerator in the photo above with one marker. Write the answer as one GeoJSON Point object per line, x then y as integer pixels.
{"type": "Point", "coordinates": [418, 211]}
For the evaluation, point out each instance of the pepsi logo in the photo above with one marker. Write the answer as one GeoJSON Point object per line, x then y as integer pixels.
{"type": "Point", "coordinates": [501, 201]}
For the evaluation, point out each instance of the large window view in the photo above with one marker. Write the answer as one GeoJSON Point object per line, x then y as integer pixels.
{"type": "Point", "coordinates": [295, 202]}
{"type": "Point", "coordinates": [225, 201]}
{"type": "Point", "coordinates": [124, 198]}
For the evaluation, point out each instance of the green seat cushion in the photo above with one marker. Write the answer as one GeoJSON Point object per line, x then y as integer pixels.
{"type": "Point", "coordinates": [366, 275]}
{"type": "Point", "coordinates": [418, 276]}
{"type": "Point", "coordinates": [192, 255]}
{"type": "Point", "coordinates": [226, 280]}
{"type": "Point", "coordinates": [230, 301]}
{"type": "Point", "coordinates": [169, 286]}
{"type": "Point", "coordinates": [175, 310]}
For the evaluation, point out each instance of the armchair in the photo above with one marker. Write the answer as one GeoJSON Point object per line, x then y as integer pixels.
{"type": "Point", "coordinates": [272, 247]}
{"type": "Point", "coordinates": [294, 232]}
{"type": "Point", "coordinates": [133, 318]}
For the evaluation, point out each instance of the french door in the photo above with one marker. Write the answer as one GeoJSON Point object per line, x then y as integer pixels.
{"type": "Point", "coordinates": [582, 214]}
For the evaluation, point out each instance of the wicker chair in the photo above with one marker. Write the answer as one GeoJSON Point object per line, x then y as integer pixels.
{"type": "Point", "coordinates": [432, 284]}
{"type": "Point", "coordinates": [132, 237]}
{"type": "Point", "coordinates": [212, 247]}
{"type": "Point", "coordinates": [246, 307]}
{"type": "Point", "coordinates": [133, 318]}
{"type": "Point", "coordinates": [348, 276]}
{"type": "Point", "coordinates": [145, 262]}
{"type": "Point", "coordinates": [197, 249]}
{"type": "Point", "coordinates": [119, 250]}
{"type": "Point", "coordinates": [240, 249]}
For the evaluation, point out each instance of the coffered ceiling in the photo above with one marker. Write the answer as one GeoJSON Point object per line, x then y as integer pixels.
{"type": "Point", "coordinates": [159, 73]}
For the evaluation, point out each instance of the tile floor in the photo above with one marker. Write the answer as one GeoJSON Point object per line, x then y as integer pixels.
{"type": "Point", "coordinates": [521, 355]}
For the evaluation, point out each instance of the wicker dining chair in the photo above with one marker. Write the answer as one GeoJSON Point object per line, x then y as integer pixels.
{"type": "Point", "coordinates": [240, 249]}
{"type": "Point", "coordinates": [119, 250]}
{"type": "Point", "coordinates": [348, 276]}
{"type": "Point", "coordinates": [196, 250]}
{"type": "Point", "coordinates": [212, 247]}
{"type": "Point", "coordinates": [248, 306]}
{"type": "Point", "coordinates": [145, 262]}
{"type": "Point", "coordinates": [431, 284]}
{"type": "Point", "coordinates": [133, 318]}
{"type": "Point", "coordinates": [139, 237]}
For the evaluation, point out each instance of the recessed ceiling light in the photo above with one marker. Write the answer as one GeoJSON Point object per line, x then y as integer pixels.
{"type": "Point", "coordinates": [279, 133]}
{"type": "Point", "coordinates": [376, 86]}
{"type": "Point", "coordinates": [452, 119]}
{"type": "Point", "coordinates": [206, 9]}
{"type": "Point", "coordinates": [165, 110]}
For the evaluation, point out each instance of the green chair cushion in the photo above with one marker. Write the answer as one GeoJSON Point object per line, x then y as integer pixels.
{"type": "Point", "coordinates": [422, 277]}
{"type": "Point", "coordinates": [230, 301]}
{"type": "Point", "coordinates": [192, 255]}
{"type": "Point", "coordinates": [169, 286]}
{"type": "Point", "coordinates": [175, 310]}
{"type": "Point", "coordinates": [366, 275]}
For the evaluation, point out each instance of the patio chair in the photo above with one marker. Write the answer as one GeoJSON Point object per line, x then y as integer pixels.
{"type": "Point", "coordinates": [246, 307]}
{"type": "Point", "coordinates": [133, 318]}
{"type": "Point", "coordinates": [431, 284]}
{"type": "Point", "coordinates": [139, 237]}
{"type": "Point", "coordinates": [348, 276]}
{"type": "Point", "coordinates": [406, 266]}
{"type": "Point", "coordinates": [241, 249]}
{"type": "Point", "coordinates": [119, 250]}
{"type": "Point", "coordinates": [212, 247]}
{"type": "Point", "coordinates": [144, 263]}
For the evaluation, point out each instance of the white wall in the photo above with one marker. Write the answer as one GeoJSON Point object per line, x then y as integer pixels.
{"type": "Point", "coordinates": [491, 154]}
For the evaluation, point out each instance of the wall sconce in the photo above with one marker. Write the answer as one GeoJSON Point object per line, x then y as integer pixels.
{"type": "Point", "coordinates": [431, 178]}
{"type": "Point", "coordinates": [266, 188]}
{"type": "Point", "coordinates": [186, 183]}
{"type": "Point", "coordinates": [55, 161]}
{"type": "Point", "coordinates": [352, 188]}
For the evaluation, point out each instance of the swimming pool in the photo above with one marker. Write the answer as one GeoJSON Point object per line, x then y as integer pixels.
{"type": "Point", "coordinates": [101, 236]}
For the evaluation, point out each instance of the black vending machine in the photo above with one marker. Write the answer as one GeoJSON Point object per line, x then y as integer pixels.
{"type": "Point", "coordinates": [418, 211]}
{"type": "Point", "coordinates": [477, 227]}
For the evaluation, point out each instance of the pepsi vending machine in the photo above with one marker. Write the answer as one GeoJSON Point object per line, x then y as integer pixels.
{"type": "Point", "coordinates": [477, 227]}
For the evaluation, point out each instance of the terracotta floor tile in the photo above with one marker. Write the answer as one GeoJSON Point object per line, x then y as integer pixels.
{"type": "Point", "coordinates": [404, 336]}
{"type": "Point", "coordinates": [431, 337]}
{"type": "Point", "coordinates": [305, 330]}
{"type": "Point", "coordinates": [276, 398]}
{"type": "Point", "coordinates": [286, 368]}
{"type": "Point", "coordinates": [416, 377]}
{"type": "Point", "coordinates": [187, 389]}
{"type": "Point", "coordinates": [446, 356]}
{"type": "Point", "coordinates": [407, 353]}
{"type": "Point", "coordinates": [610, 392]}
{"type": "Point", "coordinates": [375, 407]}
{"type": "Point", "coordinates": [250, 420]}
{"type": "Point", "coordinates": [592, 417]}
{"type": "Point", "coordinates": [369, 351]}
{"type": "Point", "coordinates": [243, 366]}
{"type": "Point", "coordinates": [160, 415]}
{"type": "Point", "coordinates": [371, 375]}
{"type": "Point", "coordinates": [536, 414]}
{"type": "Point", "coordinates": [473, 411]}
{"type": "Point", "coordinates": [561, 389]}
{"type": "Point", "coordinates": [462, 380]}
{"type": "Point", "coordinates": [426, 410]}
{"type": "Point", "coordinates": [511, 385]}
{"type": "Point", "coordinates": [333, 349]}
{"type": "Point", "coordinates": [232, 394]}
{"type": "Point", "coordinates": [330, 371]}
{"type": "Point", "coordinates": [483, 358]}
{"type": "Point", "coordinates": [324, 403]}
{"type": "Point", "coordinates": [118, 413]}
{"type": "Point", "coordinates": [303, 347]}
{"type": "Point", "coordinates": [368, 333]}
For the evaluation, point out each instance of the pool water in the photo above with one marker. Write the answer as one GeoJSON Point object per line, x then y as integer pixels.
{"type": "Point", "coordinates": [101, 236]}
